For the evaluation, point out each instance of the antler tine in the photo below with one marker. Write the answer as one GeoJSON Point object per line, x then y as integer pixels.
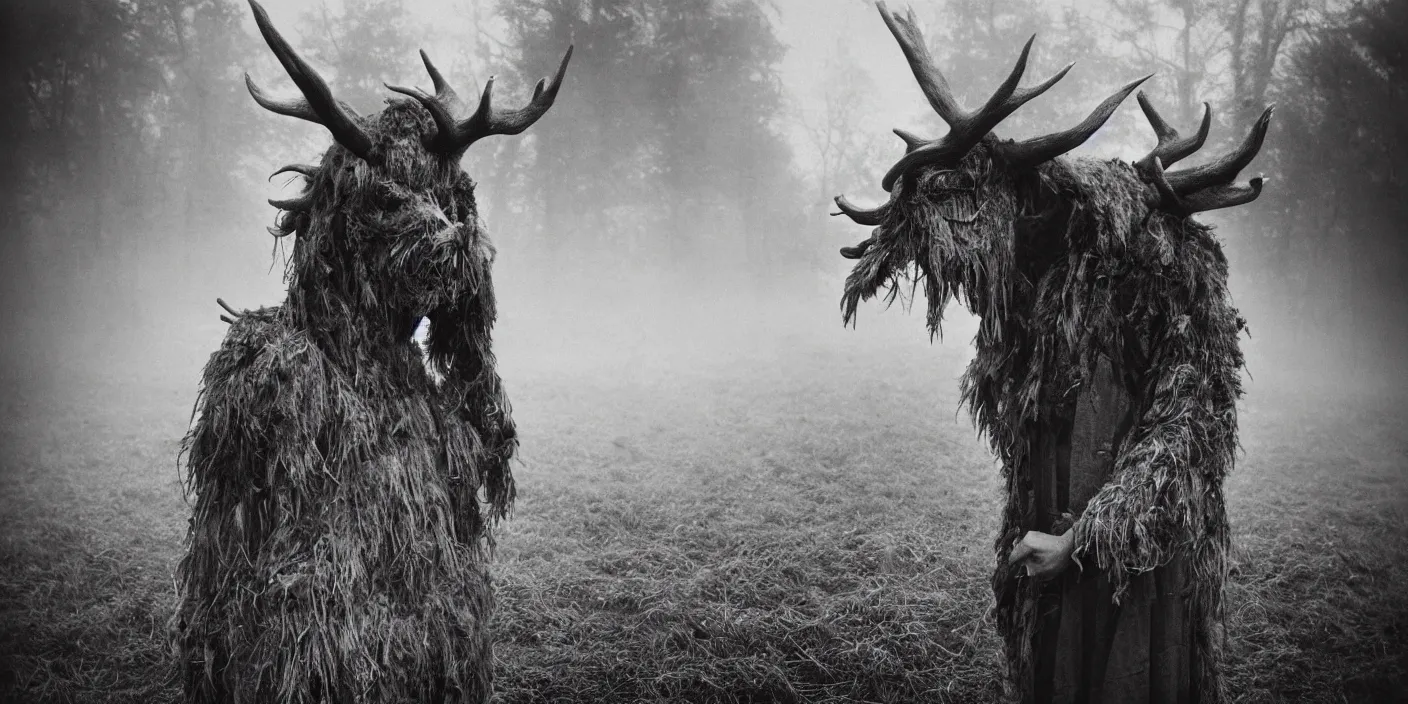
{"type": "Point", "coordinates": [1210, 198]}
{"type": "Point", "coordinates": [443, 91]}
{"type": "Point", "coordinates": [443, 140]}
{"type": "Point", "coordinates": [1009, 85]}
{"type": "Point", "coordinates": [228, 309]}
{"type": "Point", "coordinates": [911, 141]}
{"type": "Point", "coordinates": [442, 106]}
{"type": "Point", "coordinates": [293, 107]}
{"type": "Point", "coordinates": [297, 203]}
{"type": "Point", "coordinates": [870, 218]}
{"type": "Point", "coordinates": [916, 52]}
{"type": "Point", "coordinates": [1224, 170]}
{"type": "Point", "coordinates": [1162, 129]}
{"type": "Point", "coordinates": [859, 250]}
{"type": "Point", "coordinates": [935, 88]}
{"type": "Point", "coordinates": [1168, 198]}
{"type": "Point", "coordinates": [1007, 98]}
{"type": "Point", "coordinates": [1046, 147]}
{"type": "Point", "coordinates": [939, 150]}
{"type": "Point", "coordinates": [1172, 147]}
{"type": "Point", "coordinates": [453, 136]}
{"type": "Point", "coordinates": [966, 129]}
{"type": "Point", "coordinates": [1021, 97]}
{"type": "Point", "coordinates": [487, 121]}
{"type": "Point", "coordinates": [318, 104]}
{"type": "Point", "coordinates": [1224, 196]}
{"type": "Point", "coordinates": [306, 169]}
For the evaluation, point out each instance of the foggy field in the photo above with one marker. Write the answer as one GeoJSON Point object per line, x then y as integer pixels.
{"type": "Point", "coordinates": [785, 512]}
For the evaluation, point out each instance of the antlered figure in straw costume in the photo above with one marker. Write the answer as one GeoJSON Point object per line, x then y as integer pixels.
{"type": "Point", "coordinates": [343, 500]}
{"type": "Point", "coordinates": [1106, 375]}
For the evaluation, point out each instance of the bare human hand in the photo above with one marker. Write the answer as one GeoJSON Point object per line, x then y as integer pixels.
{"type": "Point", "coordinates": [1044, 555]}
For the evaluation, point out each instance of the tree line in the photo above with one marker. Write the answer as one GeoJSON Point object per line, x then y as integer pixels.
{"type": "Point", "coordinates": [132, 152]}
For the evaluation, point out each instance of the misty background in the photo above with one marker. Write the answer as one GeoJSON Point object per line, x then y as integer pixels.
{"type": "Point", "coordinates": [673, 205]}
{"type": "Point", "coordinates": [724, 494]}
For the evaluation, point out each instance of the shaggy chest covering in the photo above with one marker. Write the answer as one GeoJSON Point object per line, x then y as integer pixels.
{"type": "Point", "coordinates": [1063, 266]}
{"type": "Point", "coordinates": [337, 539]}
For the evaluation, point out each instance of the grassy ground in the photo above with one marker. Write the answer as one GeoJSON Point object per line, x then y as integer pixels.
{"type": "Point", "coordinates": [802, 521]}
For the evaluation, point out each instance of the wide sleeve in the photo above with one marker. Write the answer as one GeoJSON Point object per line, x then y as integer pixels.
{"type": "Point", "coordinates": [1164, 495]}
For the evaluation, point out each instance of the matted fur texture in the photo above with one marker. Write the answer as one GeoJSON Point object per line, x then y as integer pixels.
{"type": "Point", "coordinates": [1062, 264]}
{"type": "Point", "coordinates": [343, 500]}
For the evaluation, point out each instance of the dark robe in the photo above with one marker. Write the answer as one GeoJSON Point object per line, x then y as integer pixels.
{"type": "Point", "coordinates": [1086, 648]}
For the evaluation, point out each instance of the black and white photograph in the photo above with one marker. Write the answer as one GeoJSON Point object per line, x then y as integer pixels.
{"type": "Point", "coordinates": [715, 351]}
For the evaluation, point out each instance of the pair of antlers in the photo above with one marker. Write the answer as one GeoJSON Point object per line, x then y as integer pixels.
{"type": "Point", "coordinates": [452, 134]}
{"type": "Point", "coordinates": [1201, 188]}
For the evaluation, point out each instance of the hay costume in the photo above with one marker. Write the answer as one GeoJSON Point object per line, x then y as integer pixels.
{"type": "Point", "coordinates": [1105, 377]}
{"type": "Point", "coordinates": [343, 499]}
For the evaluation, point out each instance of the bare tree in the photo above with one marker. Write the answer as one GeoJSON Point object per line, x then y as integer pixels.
{"type": "Point", "coordinates": [847, 150]}
{"type": "Point", "coordinates": [1259, 31]}
{"type": "Point", "coordinates": [1216, 48]}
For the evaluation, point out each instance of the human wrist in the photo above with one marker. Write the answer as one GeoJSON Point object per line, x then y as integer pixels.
{"type": "Point", "coordinates": [1068, 542]}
